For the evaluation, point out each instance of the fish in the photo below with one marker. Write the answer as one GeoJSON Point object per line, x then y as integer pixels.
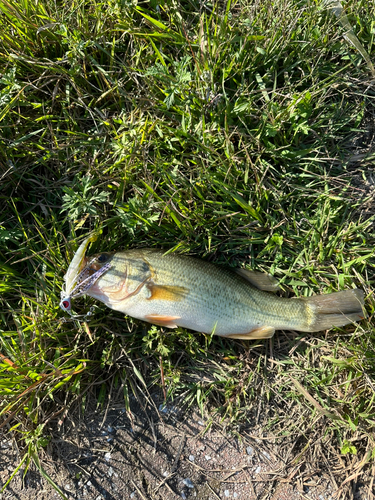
{"type": "Point", "coordinates": [172, 290]}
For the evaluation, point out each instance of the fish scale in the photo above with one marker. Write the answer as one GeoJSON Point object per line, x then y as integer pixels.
{"type": "Point", "coordinates": [225, 293]}
{"type": "Point", "coordinates": [174, 290]}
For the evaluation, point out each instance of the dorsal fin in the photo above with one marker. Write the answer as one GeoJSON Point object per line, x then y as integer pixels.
{"type": "Point", "coordinates": [262, 281]}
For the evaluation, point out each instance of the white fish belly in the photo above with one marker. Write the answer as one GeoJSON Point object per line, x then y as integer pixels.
{"type": "Point", "coordinates": [190, 314]}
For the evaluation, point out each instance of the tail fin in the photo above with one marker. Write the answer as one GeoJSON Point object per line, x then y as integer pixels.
{"type": "Point", "coordinates": [335, 309]}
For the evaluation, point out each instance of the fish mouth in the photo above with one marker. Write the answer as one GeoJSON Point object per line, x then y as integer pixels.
{"type": "Point", "coordinates": [83, 263]}
{"type": "Point", "coordinates": [111, 291]}
{"type": "Point", "coordinates": [88, 277]}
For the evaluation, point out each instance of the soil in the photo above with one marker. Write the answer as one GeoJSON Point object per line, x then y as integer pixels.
{"type": "Point", "coordinates": [161, 453]}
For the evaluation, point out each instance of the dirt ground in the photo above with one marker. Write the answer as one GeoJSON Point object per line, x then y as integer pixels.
{"type": "Point", "coordinates": [163, 454]}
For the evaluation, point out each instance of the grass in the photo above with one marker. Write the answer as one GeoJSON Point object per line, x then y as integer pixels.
{"type": "Point", "coordinates": [239, 132]}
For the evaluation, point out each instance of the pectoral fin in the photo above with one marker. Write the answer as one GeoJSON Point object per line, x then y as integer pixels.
{"type": "Point", "coordinates": [166, 292]}
{"type": "Point", "coordinates": [263, 332]}
{"type": "Point", "coordinates": [159, 319]}
{"type": "Point", "coordinates": [262, 281]}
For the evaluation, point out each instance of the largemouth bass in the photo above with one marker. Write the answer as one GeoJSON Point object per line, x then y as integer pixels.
{"type": "Point", "coordinates": [173, 290]}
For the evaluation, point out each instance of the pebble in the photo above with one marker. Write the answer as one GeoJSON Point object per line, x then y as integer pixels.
{"type": "Point", "coordinates": [132, 495]}
{"type": "Point", "coordinates": [167, 410]}
{"type": "Point", "coordinates": [188, 482]}
{"type": "Point", "coordinates": [226, 493]}
{"type": "Point", "coordinates": [200, 422]}
{"type": "Point", "coordinates": [207, 457]}
{"type": "Point", "coordinates": [250, 451]}
{"type": "Point", "coordinates": [107, 456]}
{"type": "Point", "coordinates": [235, 495]}
{"type": "Point", "coordinates": [191, 458]}
{"type": "Point", "coordinates": [267, 455]}
{"type": "Point", "coordinates": [258, 469]}
{"type": "Point", "coordinates": [166, 473]}
{"type": "Point", "coordinates": [110, 429]}
{"type": "Point", "coordinates": [183, 495]}
{"type": "Point", "coordinates": [110, 472]}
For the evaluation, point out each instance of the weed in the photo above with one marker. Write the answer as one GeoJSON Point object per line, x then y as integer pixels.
{"type": "Point", "coordinates": [241, 133]}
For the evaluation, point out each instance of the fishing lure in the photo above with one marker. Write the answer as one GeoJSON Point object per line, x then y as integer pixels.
{"type": "Point", "coordinates": [78, 280]}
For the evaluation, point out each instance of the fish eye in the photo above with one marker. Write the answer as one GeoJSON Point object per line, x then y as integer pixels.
{"type": "Point", "coordinates": [103, 258]}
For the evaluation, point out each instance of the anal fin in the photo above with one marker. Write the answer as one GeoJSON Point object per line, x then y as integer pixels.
{"type": "Point", "coordinates": [263, 332]}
